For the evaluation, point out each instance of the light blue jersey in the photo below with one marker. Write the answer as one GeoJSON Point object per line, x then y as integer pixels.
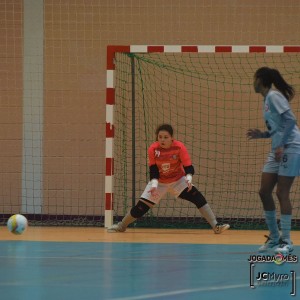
{"type": "Point", "coordinates": [275, 105]}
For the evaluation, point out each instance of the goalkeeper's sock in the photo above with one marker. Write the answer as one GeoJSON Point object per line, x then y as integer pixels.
{"type": "Point", "coordinates": [208, 214]}
{"type": "Point", "coordinates": [127, 220]}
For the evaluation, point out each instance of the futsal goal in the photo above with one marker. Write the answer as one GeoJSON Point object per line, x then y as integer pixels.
{"type": "Point", "coordinates": [206, 93]}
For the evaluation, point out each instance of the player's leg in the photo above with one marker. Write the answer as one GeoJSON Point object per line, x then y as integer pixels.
{"type": "Point", "coordinates": [144, 204]}
{"type": "Point", "coordinates": [289, 168]}
{"type": "Point", "coordinates": [269, 179]}
{"type": "Point", "coordinates": [136, 212]}
{"type": "Point", "coordinates": [284, 185]}
{"type": "Point", "coordinates": [199, 200]}
{"type": "Point", "coordinates": [268, 182]}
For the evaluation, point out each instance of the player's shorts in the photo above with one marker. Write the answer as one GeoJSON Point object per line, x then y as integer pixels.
{"type": "Point", "coordinates": [288, 166]}
{"type": "Point", "coordinates": [174, 188]}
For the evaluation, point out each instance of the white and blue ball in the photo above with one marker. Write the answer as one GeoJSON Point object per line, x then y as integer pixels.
{"type": "Point", "coordinates": [17, 224]}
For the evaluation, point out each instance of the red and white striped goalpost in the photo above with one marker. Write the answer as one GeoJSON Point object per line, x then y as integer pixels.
{"type": "Point", "coordinates": [110, 93]}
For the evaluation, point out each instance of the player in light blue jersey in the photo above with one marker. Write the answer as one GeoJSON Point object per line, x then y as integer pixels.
{"type": "Point", "coordinates": [283, 162]}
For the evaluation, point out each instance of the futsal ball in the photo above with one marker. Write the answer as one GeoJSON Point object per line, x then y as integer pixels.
{"type": "Point", "coordinates": [17, 224]}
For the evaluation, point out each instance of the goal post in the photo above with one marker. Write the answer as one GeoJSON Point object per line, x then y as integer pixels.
{"type": "Point", "coordinates": [206, 93]}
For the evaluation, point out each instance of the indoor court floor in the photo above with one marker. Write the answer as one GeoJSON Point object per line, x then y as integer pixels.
{"type": "Point", "coordinates": [88, 263]}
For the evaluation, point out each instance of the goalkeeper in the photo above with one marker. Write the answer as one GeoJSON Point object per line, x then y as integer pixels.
{"type": "Point", "coordinates": [171, 170]}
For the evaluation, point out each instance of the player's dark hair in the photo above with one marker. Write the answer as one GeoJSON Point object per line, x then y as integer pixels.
{"type": "Point", "coordinates": [164, 127]}
{"type": "Point", "coordinates": [270, 76]}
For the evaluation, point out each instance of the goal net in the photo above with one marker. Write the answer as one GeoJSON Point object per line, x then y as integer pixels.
{"type": "Point", "coordinates": [207, 95]}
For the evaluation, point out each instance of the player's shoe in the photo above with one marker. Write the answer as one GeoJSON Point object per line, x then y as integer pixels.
{"type": "Point", "coordinates": [285, 247]}
{"type": "Point", "coordinates": [269, 245]}
{"type": "Point", "coordinates": [116, 228]}
{"type": "Point", "coordinates": [219, 228]}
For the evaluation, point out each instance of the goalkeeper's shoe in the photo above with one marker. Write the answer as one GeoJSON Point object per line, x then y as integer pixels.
{"type": "Point", "coordinates": [219, 228]}
{"type": "Point", "coordinates": [117, 228]}
{"type": "Point", "coordinates": [269, 245]}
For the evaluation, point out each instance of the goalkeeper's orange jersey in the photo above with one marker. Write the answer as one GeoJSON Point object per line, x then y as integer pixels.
{"type": "Point", "coordinates": [169, 161]}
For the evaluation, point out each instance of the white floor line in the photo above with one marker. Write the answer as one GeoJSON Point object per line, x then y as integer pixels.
{"type": "Point", "coordinates": [186, 291]}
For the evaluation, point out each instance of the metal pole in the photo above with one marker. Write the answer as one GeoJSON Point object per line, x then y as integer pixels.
{"type": "Point", "coordinates": [133, 126]}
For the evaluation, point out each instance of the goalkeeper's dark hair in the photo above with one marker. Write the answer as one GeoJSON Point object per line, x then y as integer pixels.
{"type": "Point", "coordinates": [164, 127]}
{"type": "Point", "coordinates": [270, 76]}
